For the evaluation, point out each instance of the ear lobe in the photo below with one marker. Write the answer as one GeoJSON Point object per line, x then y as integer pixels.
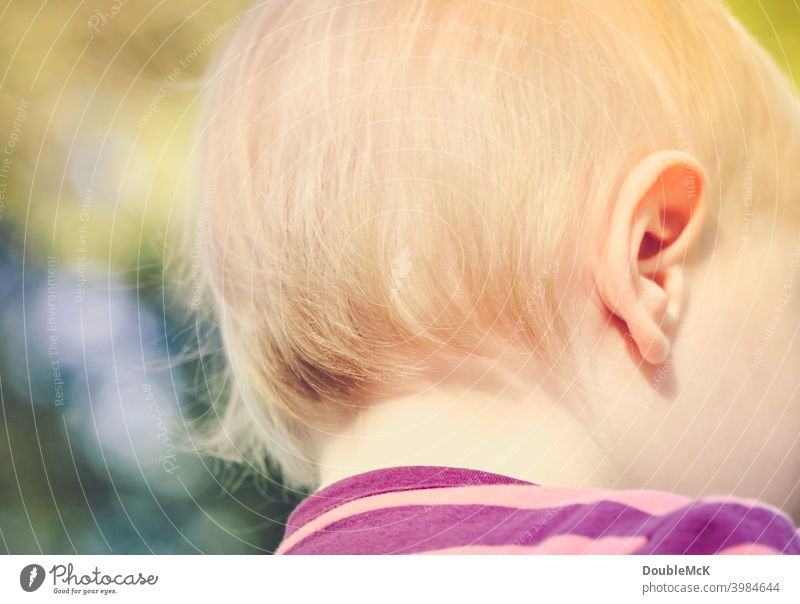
{"type": "Point", "coordinates": [653, 224]}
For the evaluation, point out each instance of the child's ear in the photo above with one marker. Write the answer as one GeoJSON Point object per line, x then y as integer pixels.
{"type": "Point", "coordinates": [652, 225]}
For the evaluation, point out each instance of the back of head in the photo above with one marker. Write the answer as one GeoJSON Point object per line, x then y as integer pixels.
{"type": "Point", "coordinates": [392, 184]}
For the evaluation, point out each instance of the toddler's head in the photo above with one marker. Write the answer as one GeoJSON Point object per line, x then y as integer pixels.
{"type": "Point", "coordinates": [588, 203]}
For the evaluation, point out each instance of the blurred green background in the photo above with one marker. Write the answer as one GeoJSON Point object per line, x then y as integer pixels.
{"type": "Point", "coordinates": [97, 106]}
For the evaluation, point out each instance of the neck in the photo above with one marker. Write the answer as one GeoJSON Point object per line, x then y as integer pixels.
{"type": "Point", "coordinates": [518, 431]}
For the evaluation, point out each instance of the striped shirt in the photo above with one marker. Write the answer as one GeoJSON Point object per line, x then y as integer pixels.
{"type": "Point", "coordinates": [437, 510]}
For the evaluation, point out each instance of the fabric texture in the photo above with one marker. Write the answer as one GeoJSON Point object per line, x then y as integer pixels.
{"type": "Point", "coordinates": [439, 510]}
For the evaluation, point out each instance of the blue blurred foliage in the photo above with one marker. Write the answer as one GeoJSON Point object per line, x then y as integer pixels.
{"type": "Point", "coordinates": [100, 469]}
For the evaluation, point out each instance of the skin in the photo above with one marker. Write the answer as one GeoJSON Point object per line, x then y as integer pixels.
{"type": "Point", "coordinates": [688, 367]}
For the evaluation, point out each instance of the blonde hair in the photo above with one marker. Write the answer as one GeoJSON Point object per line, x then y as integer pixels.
{"type": "Point", "coordinates": [388, 183]}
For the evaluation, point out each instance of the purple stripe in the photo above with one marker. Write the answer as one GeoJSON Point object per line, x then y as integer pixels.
{"type": "Point", "coordinates": [706, 528]}
{"type": "Point", "coordinates": [389, 480]}
{"type": "Point", "coordinates": [700, 528]}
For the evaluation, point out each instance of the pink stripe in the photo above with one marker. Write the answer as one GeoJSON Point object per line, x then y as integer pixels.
{"type": "Point", "coordinates": [559, 544]}
{"type": "Point", "coordinates": [526, 497]}
{"type": "Point", "coordinates": [748, 549]}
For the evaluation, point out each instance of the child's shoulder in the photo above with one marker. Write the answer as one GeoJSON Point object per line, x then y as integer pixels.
{"type": "Point", "coordinates": [428, 509]}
